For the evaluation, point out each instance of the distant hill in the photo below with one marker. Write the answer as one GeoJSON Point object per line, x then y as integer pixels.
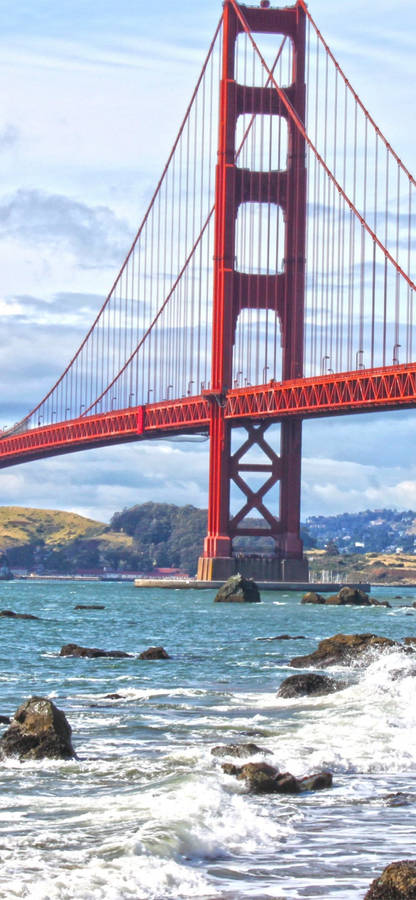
{"type": "Point", "coordinates": [162, 535]}
{"type": "Point", "coordinates": [370, 531]}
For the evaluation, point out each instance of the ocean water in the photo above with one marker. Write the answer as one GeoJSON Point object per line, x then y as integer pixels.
{"type": "Point", "coordinates": [146, 812]}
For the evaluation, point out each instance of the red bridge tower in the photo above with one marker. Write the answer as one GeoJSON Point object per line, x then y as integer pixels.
{"type": "Point", "coordinates": [235, 291]}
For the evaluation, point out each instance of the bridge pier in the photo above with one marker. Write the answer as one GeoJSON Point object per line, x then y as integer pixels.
{"type": "Point", "coordinates": [262, 569]}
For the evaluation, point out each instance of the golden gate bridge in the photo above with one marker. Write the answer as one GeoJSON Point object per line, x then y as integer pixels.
{"type": "Point", "coordinates": [272, 279]}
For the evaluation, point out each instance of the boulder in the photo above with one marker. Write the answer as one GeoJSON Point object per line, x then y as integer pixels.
{"type": "Point", "coordinates": [9, 614]}
{"type": "Point", "coordinates": [38, 730]}
{"type": "Point", "coordinates": [91, 652]}
{"type": "Point", "coordinates": [154, 653]}
{"type": "Point", "coordinates": [307, 685]}
{"type": "Point", "coordinates": [238, 750]}
{"type": "Point", "coordinates": [348, 596]}
{"type": "Point", "coordinates": [396, 882]}
{"type": "Point", "coordinates": [238, 589]}
{"type": "Point", "coordinates": [343, 649]}
{"type": "Point", "coordinates": [5, 720]}
{"type": "Point", "coordinates": [264, 779]}
{"type": "Point", "coordinates": [313, 597]}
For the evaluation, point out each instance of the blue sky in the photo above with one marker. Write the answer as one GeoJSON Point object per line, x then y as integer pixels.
{"type": "Point", "coordinates": [92, 96]}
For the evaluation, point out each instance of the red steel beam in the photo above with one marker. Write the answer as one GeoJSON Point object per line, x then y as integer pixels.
{"type": "Point", "coordinates": [367, 390]}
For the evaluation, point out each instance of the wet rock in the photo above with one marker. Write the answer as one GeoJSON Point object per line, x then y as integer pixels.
{"type": "Point", "coordinates": [9, 614]}
{"type": "Point", "coordinates": [396, 882]}
{"type": "Point", "coordinates": [154, 653]}
{"type": "Point", "coordinates": [348, 596]}
{"type": "Point", "coordinates": [91, 652]}
{"type": "Point", "coordinates": [308, 685]}
{"type": "Point", "coordinates": [238, 589]}
{"type": "Point", "coordinates": [313, 597]}
{"type": "Point", "coordinates": [374, 602]}
{"type": "Point", "coordinates": [5, 720]}
{"type": "Point", "coordinates": [38, 730]}
{"type": "Point", "coordinates": [89, 606]}
{"type": "Point", "coordinates": [113, 697]}
{"type": "Point", "coordinates": [264, 779]}
{"type": "Point", "coordinates": [343, 649]}
{"type": "Point", "coordinates": [410, 641]}
{"type": "Point", "coordinates": [239, 750]}
{"type": "Point", "coordinates": [318, 782]}
{"type": "Point", "coordinates": [399, 798]}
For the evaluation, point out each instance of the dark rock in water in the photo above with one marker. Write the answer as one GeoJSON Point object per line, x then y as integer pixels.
{"type": "Point", "coordinates": [313, 597]}
{"type": "Point", "coordinates": [38, 730]}
{"type": "Point", "coordinates": [347, 596]}
{"type": "Point", "coordinates": [91, 652]}
{"type": "Point", "coordinates": [409, 641]}
{"type": "Point", "coordinates": [238, 590]}
{"type": "Point", "coordinates": [264, 779]}
{"type": "Point", "coordinates": [307, 685]}
{"type": "Point", "coordinates": [343, 649]}
{"type": "Point", "coordinates": [5, 720]}
{"type": "Point", "coordinates": [260, 777]}
{"type": "Point", "coordinates": [89, 606]}
{"type": "Point", "coordinates": [113, 697]}
{"type": "Point", "coordinates": [399, 799]}
{"type": "Point", "coordinates": [396, 882]}
{"type": "Point", "coordinates": [154, 653]}
{"type": "Point", "coordinates": [9, 614]}
{"type": "Point", "coordinates": [317, 782]}
{"type": "Point", "coordinates": [239, 750]}
{"type": "Point", "coordinates": [284, 637]}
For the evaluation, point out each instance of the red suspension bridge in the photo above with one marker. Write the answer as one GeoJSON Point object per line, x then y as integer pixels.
{"type": "Point", "coordinates": [272, 279]}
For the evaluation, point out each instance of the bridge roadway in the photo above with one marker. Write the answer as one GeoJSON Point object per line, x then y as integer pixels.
{"type": "Point", "coordinates": [365, 390]}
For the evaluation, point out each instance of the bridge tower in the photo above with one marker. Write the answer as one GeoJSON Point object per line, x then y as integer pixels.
{"type": "Point", "coordinates": [235, 291]}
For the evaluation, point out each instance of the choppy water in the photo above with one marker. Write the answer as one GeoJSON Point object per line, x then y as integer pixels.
{"type": "Point", "coordinates": [147, 812]}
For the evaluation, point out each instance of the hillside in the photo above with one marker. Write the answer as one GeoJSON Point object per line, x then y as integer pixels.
{"type": "Point", "coordinates": [377, 545]}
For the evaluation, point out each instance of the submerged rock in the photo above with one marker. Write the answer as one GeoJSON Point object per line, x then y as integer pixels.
{"type": "Point", "coordinates": [91, 652]}
{"type": "Point", "coordinates": [89, 606]}
{"type": "Point", "coordinates": [154, 653]}
{"type": "Point", "coordinates": [307, 685]}
{"type": "Point", "coordinates": [9, 614]}
{"type": "Point", "coordinates": [38, 730]}
{"type": "Point", "coordinates": [283, 637]}
{"type": "Point", "coordinates": [239, 750]}
{"type": "Point", "coordinates": [396, 882]}
{"type": "Point", "coordinates": [343, 649]}
{"type": "Point", "coordinates": [238, 589]}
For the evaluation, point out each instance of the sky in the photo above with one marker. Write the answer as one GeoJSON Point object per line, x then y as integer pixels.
{"type": "Point", "coordinates": [92, 96]}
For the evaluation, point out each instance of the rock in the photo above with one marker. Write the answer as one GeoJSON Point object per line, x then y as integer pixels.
{"type": "Point", "coordinates": [113, 697]}
{"type": "Point", "coordinates": [313, 597]}
{"type": "Point", "coordinates": [396, 882]}
{"type": "Point", "coordinates": [38, 730]}
{"type": "Point", "coordinates": [264, 779]}
{"type": "Point", "coordinates": [5, 720]}
{"type": "Point", "coordinates": [91, 652]}
{"type": "Point", "coordinates": [399, 798]}
{"type": "Point", "coordinates": [238, 590]}
{"type": "Point", "coordinates": [409, 641]}
{"type": "Point", "coordinates": [89, 606]}
{"type": "Point", "coordinates": [343, 649]}
{"type": "Point", "coordinates": [317, 782]}
{"type": "Point", "coordinates": [284, 637]}
{"type": "Point", "coordinates": [154, 653]}
{"type": "Point", "coordinates": [348, 596]}
{"type": "Point", "coordinates": [9, 614]}
{"type": "Point", "coordinates": [239, 750]}
{"type": "Point", "coordinates": [307, 685]}
{"type": "Point", "coordinates": [260, 777]}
